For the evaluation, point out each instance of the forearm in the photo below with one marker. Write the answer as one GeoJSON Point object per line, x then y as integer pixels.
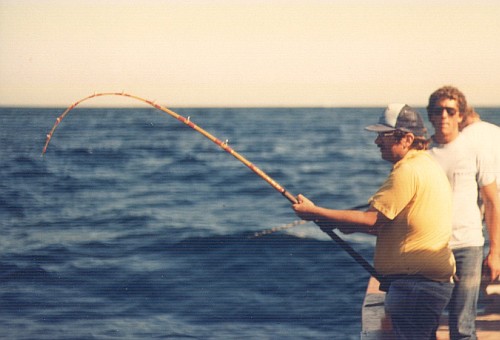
{"type": "Point", "coordinates": [347, 221]}
{"type": "Point", "coordinates": [493, 258]}
{"type": "Point", "coordinates": [492, 217]}
{"type": "Point", "coordinates": [346, 218]}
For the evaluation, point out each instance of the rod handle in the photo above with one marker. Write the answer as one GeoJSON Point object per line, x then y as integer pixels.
{"type": "Point", "coordinates": [289, 197]}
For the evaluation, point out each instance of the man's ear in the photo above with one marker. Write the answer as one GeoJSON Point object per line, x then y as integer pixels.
{"type": "Point", "coordinates": [461, 117]}
{"type": "Point", "coordinates": [408, 140]}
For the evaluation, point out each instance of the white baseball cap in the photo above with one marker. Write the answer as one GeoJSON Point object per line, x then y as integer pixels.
{"type": "Point", "coordinates": [400, 117]}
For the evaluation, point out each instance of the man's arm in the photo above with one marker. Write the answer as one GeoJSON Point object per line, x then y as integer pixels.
{"type": "Point", "coordinates": [347, 221]}
{"type": "Point", "coordinates": [492, 217]}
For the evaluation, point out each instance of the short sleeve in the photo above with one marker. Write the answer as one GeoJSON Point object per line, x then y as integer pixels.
{"type": "Point", "coordinates": [396, 192]}
{"type": "Point", "coordinates": [486, 168]}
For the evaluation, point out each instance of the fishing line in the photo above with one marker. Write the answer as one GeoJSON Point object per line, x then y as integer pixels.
{"type": "Point", "coordinates": [279, 228]}
{"type": "Point", "coordinates": [224, 146]}
{"type": "Point", "coordinates": [296, 223]}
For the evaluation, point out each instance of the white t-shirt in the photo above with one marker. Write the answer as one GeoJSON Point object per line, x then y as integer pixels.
{"type": "Point", "coordinates": [487, 136]}
{"type": "Point", "coordinates": [467, 168]}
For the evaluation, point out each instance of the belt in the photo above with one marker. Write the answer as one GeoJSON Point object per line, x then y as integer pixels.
{"type": "Point", "coordinates": [385, 281]}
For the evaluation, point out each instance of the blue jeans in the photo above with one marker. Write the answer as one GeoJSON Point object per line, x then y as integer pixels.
{"type": "Point", "coordinates": [463, 304]}
{"type": "Point", "coordinates": [415, 306]}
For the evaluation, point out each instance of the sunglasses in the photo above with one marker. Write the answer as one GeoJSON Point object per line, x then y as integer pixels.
{"type": "Point", "coordinates": [438, 111]}
{"type": "Point", "coordinates": [386, 134]}
{"type": "Point", "coordinates": [397, 134]}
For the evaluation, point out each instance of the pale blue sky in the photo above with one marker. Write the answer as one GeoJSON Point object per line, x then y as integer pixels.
{"type": "Point", "coordinates": [248, 53]}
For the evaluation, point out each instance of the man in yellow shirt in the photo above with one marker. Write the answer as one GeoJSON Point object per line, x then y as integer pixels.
{"type": "Point", "coordinates": [411, 216]}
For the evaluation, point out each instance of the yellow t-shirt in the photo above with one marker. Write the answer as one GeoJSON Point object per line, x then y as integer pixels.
{"type": "Point", "coordinates": [416, 197]}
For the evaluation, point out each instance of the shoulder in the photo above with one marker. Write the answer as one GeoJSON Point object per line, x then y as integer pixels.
{"type": "Point", "coordinates": [481, 130]}
{"type": "Point", "coordinates": [461, 145]}
{"type": "Point", "coordinates": [424, 167]}
{"type": "Point", "coordinates": [414, 162]}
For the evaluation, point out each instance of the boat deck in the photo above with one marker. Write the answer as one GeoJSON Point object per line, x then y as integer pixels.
{"type": "Point", "coordinates": [377, 325]}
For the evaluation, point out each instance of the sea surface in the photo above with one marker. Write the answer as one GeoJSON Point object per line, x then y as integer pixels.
{"type": "Point", "coordinates": [135, 226]}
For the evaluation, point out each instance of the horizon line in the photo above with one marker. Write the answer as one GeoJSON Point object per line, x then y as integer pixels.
{"type": "Point", "coordinates": [90, 106]}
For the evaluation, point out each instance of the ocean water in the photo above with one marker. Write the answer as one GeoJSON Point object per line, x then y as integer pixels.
{"type": "Point", "coordinates": [134, 226]}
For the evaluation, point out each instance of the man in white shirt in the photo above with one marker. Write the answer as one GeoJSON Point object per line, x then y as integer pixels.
{"type": "Point", "coordinates": [467, 167]}
{"type": "Point", "coordinates": [485, 135]}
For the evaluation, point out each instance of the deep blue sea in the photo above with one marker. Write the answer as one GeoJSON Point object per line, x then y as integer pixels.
{"type": "Point", "coordinates": [135, 226]}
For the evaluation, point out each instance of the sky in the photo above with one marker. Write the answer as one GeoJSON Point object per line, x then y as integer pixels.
{"type": "Point", "coordinates": [243, 53]}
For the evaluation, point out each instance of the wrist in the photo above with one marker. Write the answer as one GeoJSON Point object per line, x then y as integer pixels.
{"type": "Point", "coordinates": [494, 253]}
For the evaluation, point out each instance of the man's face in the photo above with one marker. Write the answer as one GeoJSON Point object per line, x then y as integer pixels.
{"type": "Point", "coordinates": [445, 118]}
{"type": "Point", "coordinates": [391, 148]}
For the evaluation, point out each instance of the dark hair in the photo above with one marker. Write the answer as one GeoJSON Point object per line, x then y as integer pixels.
{"type": "Point", "coordinates": [399, 134]}
{"type": "Point", "coordinates": [419, 142]}
{"type": "Point", "coordinates": [448, 92]}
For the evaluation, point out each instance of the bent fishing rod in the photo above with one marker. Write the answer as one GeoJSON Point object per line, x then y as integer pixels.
{"type": "Point", "coordinates": [224, 146]}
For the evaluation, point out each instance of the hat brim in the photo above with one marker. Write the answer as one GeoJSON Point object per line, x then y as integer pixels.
{"type": "Point", "coordinates": [379, 128]}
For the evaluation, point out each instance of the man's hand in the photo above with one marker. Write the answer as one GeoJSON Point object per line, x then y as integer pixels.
{"type": "Point", "coordinates": [492, 263]}
{"type": "Point", "coordinates": [304, 208]}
